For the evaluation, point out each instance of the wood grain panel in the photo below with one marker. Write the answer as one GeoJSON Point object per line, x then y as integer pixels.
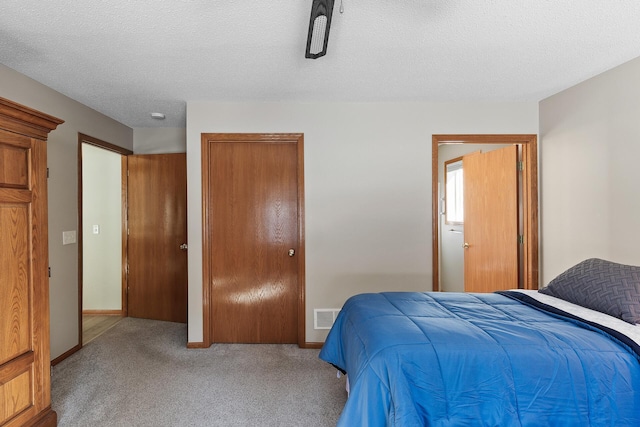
{"type": "Point", "coordinates": [15, 396]}
{"type": "Point", "coordinates": [15, 196]}
{"type": "Point", "coordinates": [40, 276]}
{"type": "Point", "coordinates": [491, 220]}
{"type": "Point", "coordinates": [157, 220]}
{"type": "Point", "coordinates": [15, 140]}
{"type": "Point", "coordinates": [252, 212]}
{"type": "Point", "coordinates": [15, 330]}
{"type": "Point", "coordinates": [24, 283]}
{"type": "Point", "coordinates": [14, 167]}
{"type": "Point", "coordinates": [18, 365]}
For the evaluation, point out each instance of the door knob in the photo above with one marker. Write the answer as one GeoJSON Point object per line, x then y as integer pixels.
{"type": "Point", "coordinates": [466, 245]}
{"type": "Point", "coordinates": [292, 252]}
{"type": "Point", "coordinates": [183, 247]}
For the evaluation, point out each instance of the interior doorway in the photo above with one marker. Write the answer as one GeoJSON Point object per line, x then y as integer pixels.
{"type": "Point", "coordinates": [101, 234]}
{"type": "Point", "coordinates": [527, 202]}
{"type": "Point", "coordinates": [148, 226]}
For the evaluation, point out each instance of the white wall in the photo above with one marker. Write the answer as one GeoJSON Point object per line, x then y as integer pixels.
{"type": "Point", "coordinates": [102, 207]}
{"type": "Point", "coordinates": [62, 151]}
{"type": "Point", "coordinates": [367, 188]}
{"type": "Point", "coordinates": [590, 193]}
{"type": "Point", "coordinates": [159, 140]}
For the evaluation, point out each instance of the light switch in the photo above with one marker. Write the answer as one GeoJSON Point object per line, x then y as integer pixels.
{"type": "Point", "coordinates": [68, 237]}
{"type": "Point", "coordinates": [96, 229]}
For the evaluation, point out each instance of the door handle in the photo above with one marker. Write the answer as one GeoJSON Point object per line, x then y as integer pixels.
{"type": "Point", "coordinates": [466, 245]}
{"type": "Point", "coordinates": [184, 247]}
{"type": "Point", "coordinates": [292, 252]}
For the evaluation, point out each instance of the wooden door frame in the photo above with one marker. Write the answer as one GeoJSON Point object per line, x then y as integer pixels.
{"type": "Point", "coordinates": [529, 143]}
{"type": "Point", "coordinates": [206, 138]}
{"type": "Point", "coordinates": [86, 139]}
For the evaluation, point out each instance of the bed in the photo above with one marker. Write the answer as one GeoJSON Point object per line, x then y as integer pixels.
{"type": "Point", "coordinates": [514, 358]}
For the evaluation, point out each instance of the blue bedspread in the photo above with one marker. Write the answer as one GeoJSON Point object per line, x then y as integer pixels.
{"type": "Point", "coordinates": [455, 359]}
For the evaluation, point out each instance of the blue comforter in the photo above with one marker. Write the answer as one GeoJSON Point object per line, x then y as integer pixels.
{"type": "Point", "coordinates": [455, 359]}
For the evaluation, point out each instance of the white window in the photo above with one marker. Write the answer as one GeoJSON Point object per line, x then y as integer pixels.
{"type": "Point", "coordinates": [453, 197]}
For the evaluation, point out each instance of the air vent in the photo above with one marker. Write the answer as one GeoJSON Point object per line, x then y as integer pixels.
{"type": "Point", "coordinates": [323, 318]}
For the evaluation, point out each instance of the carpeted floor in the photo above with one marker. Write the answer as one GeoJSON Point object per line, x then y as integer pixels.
{"type": "Point", "coordinates": [139, 373]}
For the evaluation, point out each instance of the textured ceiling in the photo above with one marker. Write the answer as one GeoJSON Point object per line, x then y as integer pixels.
{"type": "Point", "coordinates": [127, 58]}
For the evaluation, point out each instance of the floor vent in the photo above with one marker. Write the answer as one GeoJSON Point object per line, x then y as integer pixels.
{"type": "Point", "coordinates": [323, 318]}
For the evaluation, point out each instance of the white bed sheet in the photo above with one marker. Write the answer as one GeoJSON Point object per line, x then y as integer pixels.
{"type": "Point", "coordinates": [619, 325]}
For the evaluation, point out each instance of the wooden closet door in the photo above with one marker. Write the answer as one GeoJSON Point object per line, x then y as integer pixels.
{"type": "Point", "coordinates": [25, 388]}
{"type": "Point", "coordinates": [252, 230]}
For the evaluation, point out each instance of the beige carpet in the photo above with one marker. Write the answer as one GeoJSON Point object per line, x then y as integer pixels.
{"type": "Point", "coordinates": [139, 373]}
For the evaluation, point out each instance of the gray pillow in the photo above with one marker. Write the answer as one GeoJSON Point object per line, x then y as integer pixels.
{"type": "Point", "coordinates": [600, 285]}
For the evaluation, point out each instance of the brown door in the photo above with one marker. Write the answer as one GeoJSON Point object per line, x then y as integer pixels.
{"type": "Point", "coordinates": [157, 222]}
{"type": "Point", "coordinates": [491, 220]}
{"type": "Point", "coordinates": [252, 230]}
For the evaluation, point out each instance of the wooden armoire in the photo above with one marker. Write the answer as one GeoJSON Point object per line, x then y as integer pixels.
{"type": "Point", "coordinates": [25, 380]}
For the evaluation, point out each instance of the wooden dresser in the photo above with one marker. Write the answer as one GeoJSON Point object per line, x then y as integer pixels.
{"type": "Point", "coordinates": [25, 380]}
